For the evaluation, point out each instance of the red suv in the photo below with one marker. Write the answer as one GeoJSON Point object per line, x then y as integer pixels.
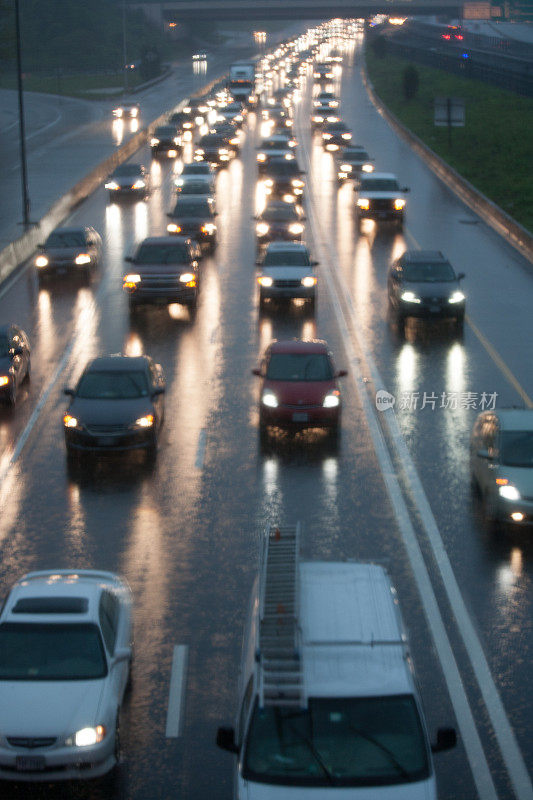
{"type": "Point", "coordinates": [299, 387]}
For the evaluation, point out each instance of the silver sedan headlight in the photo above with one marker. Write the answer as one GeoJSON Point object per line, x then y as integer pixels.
{"type": "Point", "coordinates": [87, 736]}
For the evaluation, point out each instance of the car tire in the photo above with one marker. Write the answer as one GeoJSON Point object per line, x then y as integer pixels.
{"type": "Point", "coordinates": [459, 324]}
{"type": "Point", "coordinates": [490, 513]}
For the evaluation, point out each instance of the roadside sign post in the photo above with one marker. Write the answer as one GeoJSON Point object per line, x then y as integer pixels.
{"type": "Point", "coordinates": [449, 112]}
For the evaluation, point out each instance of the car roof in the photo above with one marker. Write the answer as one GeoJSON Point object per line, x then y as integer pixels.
{"type": "Point", "coordinates": [83, 230]}
{"type": "Point", "coordinates": [515, 419]}
{"type": "Point", "coordinates": [59, 593]}
{"type": "Point", "coordinates": [286, 247]}
{"type": "Point", "coordinates": [352, 637]}
{"type": "Point", "coordinates": [117, 363]}
{"type": "Point", "coordinates": [385, 175]}
{"type": "Point", "coordinates": [299, 346]}
{"type": "Point", "coordinates": [422, 256]}
{"type": "Point", "coordinates": [153, 240]}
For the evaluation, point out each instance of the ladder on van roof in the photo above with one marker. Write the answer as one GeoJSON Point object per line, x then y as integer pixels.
{"type": "Point", "coordinates": [279, 652]}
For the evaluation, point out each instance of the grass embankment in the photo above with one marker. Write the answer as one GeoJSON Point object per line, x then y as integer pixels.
{"type": "Point", "coordinates": [86, 86]}
{"type": "Point", "coordinates": [494, 151]}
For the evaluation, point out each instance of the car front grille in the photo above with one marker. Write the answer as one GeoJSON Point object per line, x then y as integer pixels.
{"type": "Point", "coordinates": [380, 204]}
{"type": "Point", "coordinates": [287, 284]}
{"type": "Point", "coordinates": [102, 430]}
{"type": "Point", "coordinates": [31, 742]}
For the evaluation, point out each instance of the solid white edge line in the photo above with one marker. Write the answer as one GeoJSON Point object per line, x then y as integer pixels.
{"type": "Point", "coordinates": [176, 693]}
{"type": "Point", "coordinates": [476, 756]}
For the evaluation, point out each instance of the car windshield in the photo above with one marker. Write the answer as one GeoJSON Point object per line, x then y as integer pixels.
{"type": "Point", "coordinates": [165, 132]}
{"type": "Point", "coordinates": [127, 170]}
{"type": "Point", "coordinates": [66, 239]}
{"type": "Point", "coordinates": [359, 155]}
{"type": "Point", "coordinates": [212, 140]}
{"type": "Point", "coordinates": [195, 187]}
{"type": "Point", "coordinates": [283, 169]}
{"type": "Point", "coordinates": [196, 169]}
{"type": "Point", "coordinates": [51, 652]}
{"type": "Point", "coordinates": [299, 367]}
{"type": "Point", "coordinates": [337, 741]}
{"type": "Point", "coordinates": [281, 212]}
{"type": "Point", "coordinates": [275, 144]}
{"type": "Point", "coordinates": [429, 272]}
{"type": "Point", "coordinates": [286, 258]}
{"type": "Point", "coordinates": [517, 448]}
{"type": "Point", "coordinates": [187, 208]}
{"type": "Point", "coordinates": [380, 185]}
{"type": "Point", "coordinates": [337, 127]}
{"type": "Point", "coordinates": [109, 385]}
{"type": "Point", "coordinates": [163, 254]}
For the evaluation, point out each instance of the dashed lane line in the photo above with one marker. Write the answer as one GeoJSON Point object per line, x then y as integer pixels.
{"type": "Point", "coordinates": [176, 694]}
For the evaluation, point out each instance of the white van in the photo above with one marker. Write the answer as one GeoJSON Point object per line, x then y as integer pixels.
{"type": "Point", "coordinates": [328, 705]}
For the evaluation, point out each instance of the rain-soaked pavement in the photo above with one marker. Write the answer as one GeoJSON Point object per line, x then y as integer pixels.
{"type": "Point", "coordinates": [186, 533]}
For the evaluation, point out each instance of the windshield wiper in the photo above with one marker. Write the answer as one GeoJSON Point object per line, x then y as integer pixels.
{"type": "Point", "coordinates": [314, 752]}
{"type": "Point", "coordinates": [392, 758]}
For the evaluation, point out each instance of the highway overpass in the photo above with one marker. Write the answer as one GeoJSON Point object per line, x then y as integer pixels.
{"type": "Point", "coordinates": [188, 10]}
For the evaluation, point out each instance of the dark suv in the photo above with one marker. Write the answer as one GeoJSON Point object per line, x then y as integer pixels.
{"type": "Point", "coordinates": [73, 251]}
{"type": "Point", "coordinates": [163, 270]}
{"type": "Point", "coordinates": [423, 284]}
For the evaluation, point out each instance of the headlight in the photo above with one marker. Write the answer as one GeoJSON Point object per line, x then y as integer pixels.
{"type": "Point", "coordinates": [187, 277]}
{"type": "Point", "coordinates": [172, 153]}
{"type": "Point", "coordinates": [112, 185]}
{"type": "Point", "coordinates": [410, 297]}
{"type": "Point", "coordinates": [199, 152]}
{"type": "Point", "coordinates": [262, 228]}
{"type": "Point", "coordinates": [363, 203]}
{"type": "Point", "coordinates": [399, 203]}
{"type": "Point", "coordinates": [139, 185]}
{"type": "Point", "coordinates": [318, 118]}
{"type": "Point", "coordinates": [457, 297]}
{"type": "Point", "coordinates": [209, 227]}
{"type": "Point", "coordinates": [134, 112]}
{"type": "Point", "coordinates": [327, 135]}
{"type": "Point", "coordinates": [261, 157]}
{"type": "Point", "coordinates": [346, 136]}
{"type": "Point", "coordinates": [308, 281]}
{"type": "Point", "coordinates": [269, 182]}
{"type": "Point", "coordinates": [289, 156]}
{"type": "Point", "coordinates": [298, 183]}
{"type": "Point", "coordinates": [368, 168]}
{"type": "Point", "coordinates": [333, 103]}
{"type": "Point", "coordinates": [145, 422]}
{"type": "Point", "coordinates": [346, 167]}
{"type": "Point", "coordinates": [117, 112]}
{"type": "Point", "coordinates": [41, 261]}
{"type": "Point", "coordinates": [332, 400]}
{"type": "Point", "coordinates": [70, 421]}
{"type": "Point", "coordinates": [4, 380]}
{"type": "Point", "coordinates": [132, 277]}
{"type": "Point", "coordinates": [86, 737]}
{"type": "Point", "coordinates": [173, 228]}
{"type": "Point", "coordinates": [269, 399]}
{"type": "Point", "coordinates": [296, 228]}
{"type": "Point", "coordinates": [509, 492]}
{"type": "Point", "coordinates": [223, 151]}
{"type": "Point", "coordinates": [83, 258]}
{"type": "Point", "coordinates": [154, 141]}
{"type": "Point", "coordinates": [265, 281]}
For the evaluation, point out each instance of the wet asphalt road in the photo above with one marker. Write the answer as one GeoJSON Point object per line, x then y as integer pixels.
{"type": "Point", "coordinates": [186, 535]}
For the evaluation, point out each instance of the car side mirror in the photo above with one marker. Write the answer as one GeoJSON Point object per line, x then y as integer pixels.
{"type": "Point", "coordinates": [315, 263]}
{"type": "Point", "coordinates": [121, 654]}
{"type": "Point", "coordinates": [256, 371]}
{"type": "Point", "coordinates": [460, 276]}
{"type": "Point", "coordinates": [226, 740]}
{"type": "Point", "coordinates": [341, 373]}
{"type": "Point", "coordinates": [69, 392]}
{"type": "Point", "coordinates": [406, 189]}
{"type": "Point", "coordinates": [446, 739]}
{"type": "Point", "coordinates": [129, 259]}
{"type": "Point", "coordinates": [40, 246]}
{"type": "Point", "coordinates": [158, 390]}
{"type": "Point", "coordinates": [484, 453]}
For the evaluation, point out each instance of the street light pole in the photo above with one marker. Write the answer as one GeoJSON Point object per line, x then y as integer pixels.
{"type": "Point", "coordinates": [124, 53]}
{"type": "Point", "coordinates": [22, 132]}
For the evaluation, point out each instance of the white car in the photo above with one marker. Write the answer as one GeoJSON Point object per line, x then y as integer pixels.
{"type": "Point", "coordinates": [380, 197]}
{"type": "Point", "coordinates": [65, 655]}
{"type": "Point", "coordinates": [286, 272]}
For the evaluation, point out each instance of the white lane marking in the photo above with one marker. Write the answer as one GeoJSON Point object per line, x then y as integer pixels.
{"type": "Point", "coordinates": [200, 450]}
{"type": "Point", "coordinates": [36, 133]}
{"type": "Point", "coordinates": [470, 736]}
{"type": "Point", "coordinates": [176, 693]}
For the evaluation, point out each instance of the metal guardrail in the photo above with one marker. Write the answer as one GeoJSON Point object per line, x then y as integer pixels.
{"type": "Point", "coordinates": [502, 223]}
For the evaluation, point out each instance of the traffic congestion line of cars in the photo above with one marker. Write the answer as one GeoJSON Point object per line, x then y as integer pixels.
{"type": "Point", "coordinates": [328, 700]}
